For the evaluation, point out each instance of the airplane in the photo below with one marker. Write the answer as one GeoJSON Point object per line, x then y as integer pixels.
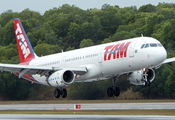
{"type": "Point", "coordinates": [135, 57]}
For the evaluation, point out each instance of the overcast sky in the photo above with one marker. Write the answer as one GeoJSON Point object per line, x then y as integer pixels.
{"type": "Point", "coordinates": [44, 5]}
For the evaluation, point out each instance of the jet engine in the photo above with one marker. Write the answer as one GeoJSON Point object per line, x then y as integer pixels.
{"type": "Point", "coordinates": [142, 77]}
{"type": "Point", "coordinates": [61, 78]}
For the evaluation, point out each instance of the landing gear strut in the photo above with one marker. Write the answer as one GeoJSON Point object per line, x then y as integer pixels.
{"type": "Point", "coordinates": [145, 75]}
{"type": "Point", "coordinates": [62, 92]}
{"type": "Point", "coordinates": [113, 90]}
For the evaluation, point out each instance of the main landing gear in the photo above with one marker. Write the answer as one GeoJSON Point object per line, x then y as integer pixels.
{"type": "Point", "coordinates": [111, 91]}
{"type": "Point", "coordinates": [62, 92]}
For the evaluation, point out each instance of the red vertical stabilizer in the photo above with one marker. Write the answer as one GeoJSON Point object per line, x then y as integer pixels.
{"type": "Point", "coordinates": [25, 49]}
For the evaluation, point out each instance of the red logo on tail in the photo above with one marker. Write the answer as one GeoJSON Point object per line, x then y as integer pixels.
{"type": "Point", "coordinates": [25, 50]}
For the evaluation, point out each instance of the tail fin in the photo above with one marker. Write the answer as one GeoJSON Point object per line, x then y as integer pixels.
{"type": "Point", "coordinates": [25, 49]}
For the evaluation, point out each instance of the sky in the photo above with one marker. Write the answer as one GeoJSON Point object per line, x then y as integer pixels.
{"type": "Point", "coordinates": [42, 6]}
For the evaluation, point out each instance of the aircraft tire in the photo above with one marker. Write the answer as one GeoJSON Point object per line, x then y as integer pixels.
{"type": "Point", "coordinates": [116, 91]}
{"type": "Point", "coordinates": [57, 93]}
{"type": "Point", "coordinates": [110, 91]}
{"type": "Point", "coordinates": [64, 93]}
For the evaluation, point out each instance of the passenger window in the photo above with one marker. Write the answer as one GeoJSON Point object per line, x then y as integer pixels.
{"type": "Point", "coordinates": [153, 45]}
{"type": "Point", "coordinates": [147, 45]}
{"type": "Point", "coordinates": [142, 46]}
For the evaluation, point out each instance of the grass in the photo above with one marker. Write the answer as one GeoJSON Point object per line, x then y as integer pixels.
{"type": "Point", "coordinates": [94, 112]}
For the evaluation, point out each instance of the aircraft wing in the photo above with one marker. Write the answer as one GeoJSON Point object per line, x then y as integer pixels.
{"type": "Point", "coordinates": [169, 60]}
{"type": "Point", "coordinates": [41, 70]}
{"type": "Point", "coordinates": [166, 61]}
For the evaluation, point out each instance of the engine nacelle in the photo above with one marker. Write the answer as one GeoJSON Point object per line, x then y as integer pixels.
{"type": "Point", "coordinates": [137, 77]}
{"type": "Point", "coordinates": [61, 78]}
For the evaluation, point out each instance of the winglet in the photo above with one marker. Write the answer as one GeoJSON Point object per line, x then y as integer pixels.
{"type": "Point", "coordinates": [25, 49]}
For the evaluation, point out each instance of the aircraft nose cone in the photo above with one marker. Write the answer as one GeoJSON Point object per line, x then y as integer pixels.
{"type": "Point", "coordinates": [161, 55]}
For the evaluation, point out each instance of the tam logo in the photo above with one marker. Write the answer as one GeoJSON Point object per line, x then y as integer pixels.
{"type": "Point", "coordinates": [117, 51]}
{"type": "Point", "coordinates": [22, 41]}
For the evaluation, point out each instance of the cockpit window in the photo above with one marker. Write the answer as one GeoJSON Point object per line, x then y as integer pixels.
{"type": "Point", "coordinates": [142, 46]}
{"type": "Point", "coordinates": [147, 45]}
{"type": "Point", "coordinates": [159, 44]}
{"type": "Point", "coordinates": [153, 45]}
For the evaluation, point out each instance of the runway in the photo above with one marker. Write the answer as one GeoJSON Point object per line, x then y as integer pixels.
{"type": "Point", "coordinates": [100, 106]}
{"type": "Point", "coordinates": [82, 117]}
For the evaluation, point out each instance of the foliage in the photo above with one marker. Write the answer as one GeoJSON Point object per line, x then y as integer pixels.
{"type": "Point", "coordinates": [86, 43]}
{"type": "Point", "coordinates": [69, 27]}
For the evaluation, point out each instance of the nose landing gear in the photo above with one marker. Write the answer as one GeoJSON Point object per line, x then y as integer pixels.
{"type": "Point", "coordinates": [145, 76]}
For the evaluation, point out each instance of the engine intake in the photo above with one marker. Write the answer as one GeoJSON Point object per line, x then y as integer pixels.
{"type": "Point", "coordinates": [137, 77]}
{"type": "Point", "coordinates": [61, 78]}
{"type": "Point", "coordinates": [68, 76]}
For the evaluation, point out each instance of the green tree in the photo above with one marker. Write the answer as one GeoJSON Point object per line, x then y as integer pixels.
{"type": "Point", "coordinates": [149, 27]}
{"type": "Point", "coordinates": [46, 49]}
{"type": "Point", "coordinates": [168, 13]}
{"type": "Point", "coordinates": [85, 91]}
{"type": "Point", "coordinates": [6, 17]}
{"type": "Point", "coordinates": [27, 14]}
{"type": "Point", "coordinates": [60, 24]}
{"type": "Point", "coordinates": [170, 83]}
{"type": "Point", "coordinates": [86, 43]}
{"type": "Point", "coordinates": [106, 40]}
{"type": "Point", "coordinates": [1, 35]}
{"type": "Point", "coordinates": [74, 31]}
{"type": "Point", "coordinates": [169, 31]}
{"type": "Point", "coordinates": [98, 27]}
{"type": "Point", "coordinates": [126, 14]}
{"type": "Point", "coordinates": [8, 34]}
{"type": "Point", "coordinates": [96, 12]}
{"type": "Point", "coordinates": [87, 30]}
{"type": "Point", "coordinates": [32, 39]}
{"type": "Point", "coordinates": [70, 48]}
{"type": "Point", "coordinates": [147, 8]}
{"type": "Point", "coordinates": [165, 5]}
{"type": "Point", "coordinates": [122, 35]}
{"type": "Point", "coordinates": [110, 22]}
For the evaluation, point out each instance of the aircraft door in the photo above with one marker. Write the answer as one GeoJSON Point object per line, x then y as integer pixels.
{"type": "Point", "coordinates": [100, 56]}
{"type": "Point", "coordinates": [131, 48]}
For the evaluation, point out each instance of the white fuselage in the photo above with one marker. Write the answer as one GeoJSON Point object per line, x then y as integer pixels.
{"type": "Point", "coordinates": [106, 60]}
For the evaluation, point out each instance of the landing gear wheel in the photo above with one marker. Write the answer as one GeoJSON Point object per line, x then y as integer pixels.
{"type": "Point", "coordinates": [57, 93]}
{"type": "Point", "coordinates": [110, 91]}
{"type": "Point", "coordinates": [64, 93]}
{"type": "Point", "coordinates": [116, 91]}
